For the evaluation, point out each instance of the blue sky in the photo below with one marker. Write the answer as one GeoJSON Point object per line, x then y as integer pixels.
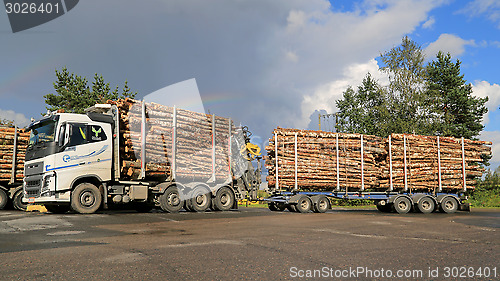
{"type": "Point", "coordinates": [267, 63]}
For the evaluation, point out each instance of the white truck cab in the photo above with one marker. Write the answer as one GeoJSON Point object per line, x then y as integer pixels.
{"type": "Point", "coordinates": [64, 150]}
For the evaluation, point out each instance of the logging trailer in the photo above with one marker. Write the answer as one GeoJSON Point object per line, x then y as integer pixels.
{"type": "Point", "coordinates": [11, 186]}
{"type": "Point", "coordinates": [399, 198]}
{"type": "Point", "coordinates": [74, 161]}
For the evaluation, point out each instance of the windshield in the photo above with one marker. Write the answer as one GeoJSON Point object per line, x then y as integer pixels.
{"type": "Point", "coordinates": [43, 132]}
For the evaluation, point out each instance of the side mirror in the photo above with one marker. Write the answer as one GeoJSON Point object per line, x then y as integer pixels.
{"type": "Point", "coordinates": [60, 138]}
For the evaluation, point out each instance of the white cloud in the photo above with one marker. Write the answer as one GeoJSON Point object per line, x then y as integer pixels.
{"type": "Point", "coordinates": [492, 91]}
{"type": "Point", "coordinates": [324, 96]}
{"type": "Point", "coordinates": [429, 23]}
{"type": "Point", "coordinates": [483, 8]}
{"type": "Point", "coordinates": [447, 43]}
{"type": "Point", "coordinates": [494, 137]}
{"type": "Point", "coordinates": [19, 119]}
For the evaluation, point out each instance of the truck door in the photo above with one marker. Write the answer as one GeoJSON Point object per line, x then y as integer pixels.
{"type": "Point", "coordinates": [100, 151]}
{"type": "Point", "coordinates": [70, 162]}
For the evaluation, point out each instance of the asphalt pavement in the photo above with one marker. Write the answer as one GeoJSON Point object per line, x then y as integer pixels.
{"type": "Point", "coordinates": [250, 244]}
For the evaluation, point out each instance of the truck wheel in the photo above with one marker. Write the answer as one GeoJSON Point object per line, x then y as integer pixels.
{"type": "Point", "coordinates": [224, 199]}
{"type": "Point", "coordinates": [272, 206]}
{"type": "Point", "coordinates": [276, 206]}
{"type": "Point", "coordinates": [322, 205]}
{"type": "Point", "coordinates": [304, 204]}
{"type": "Point", "coordinates": [402, 205]}
{"type": "Point", "coordinates": [449, 205]}
{"type": "Point", "coordinates": [426, 205]}
{"type": "Point", "coordinates": [17, 201]}
{"type": "Point", "coordinates": [280, 206]}
{"type": "Point", "coordinates": [85, 198]}
{"type": "Point", "coordinates": [385, 208]}
{"type": "Point", "coordinates": [57, 209]}
{"type": "Point", "coordinates": [291, 208]}
{"type": "Point", "coordinates": [170, 200]}
{"type": "Point", "coordinates": [199, 200]}
{"type": "Point", "coordinates": [3, 199]}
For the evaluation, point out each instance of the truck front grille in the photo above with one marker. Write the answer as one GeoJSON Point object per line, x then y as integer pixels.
{"type": "Point", "coordinates": [33, 183]}
{"type": "Point", "coordinates": [33, 186]}
{"type": "Point", "coordinates": [33, 193]}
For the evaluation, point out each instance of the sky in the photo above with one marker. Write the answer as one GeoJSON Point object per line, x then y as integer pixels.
{"type": "Point", "coordinates": [266, 63]}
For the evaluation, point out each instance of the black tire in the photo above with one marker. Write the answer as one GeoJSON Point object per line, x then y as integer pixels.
{"type": "Point", "coordinates": [17, 202]}
{"type": "Point", "coordinates": [3, 199]}
{"type": "Point", "coordinates": [280, 206]}
{"type": "Point", "coordinates": [426, 205]}
{"type": "Point", "coordinates": [402, 205]}
{"type": "Point", "coordinates": [170, 200]}
{"type": "Point", "coordinates": [224, 199]}
{"type": "Point", "coordinates": [291, 208]}
{"type": "Point", "coordinates": [322, 205]}
{"type": "Point", "coordinates": [199, 200]}
{"type": "Point", "coordinates": [449, 205]}
{"type": "Point", "coordinates": [386, 208]}
{"type": "Point", "coordinates": [304, 204]}
{"type": "Point", "coordinates": [272, 206]}
{"type": "Point", "coordinates": [57, 209]}
{"type": "Point", "coordinates": [86, 198]}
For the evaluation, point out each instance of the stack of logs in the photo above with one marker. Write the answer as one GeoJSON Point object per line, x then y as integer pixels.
{"type": "Point", "coordinates": [427, 166]}
{"type": "Point", "coordinates": [317, 165]}
{"type": "Point", "coordinates": [316, 161]}
{"type": "Point", "coordinates": [7, 135]}
{"type": "Point", "coordinates": [194, 144]}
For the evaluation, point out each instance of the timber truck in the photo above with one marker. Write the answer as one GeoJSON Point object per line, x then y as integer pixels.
{"type": "Point", "coordinates": [141, 154]}
{"type": "Point", "coordinates": [13, 142]}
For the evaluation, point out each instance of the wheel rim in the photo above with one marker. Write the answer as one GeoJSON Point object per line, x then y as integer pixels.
{"type": "Point", "coordinates": [402, 205]}
{"type": "Point", "coordinates": [322, 204]}
{"type": "Point", "coordinates": [449, 205]}
{"type": "Point", "coordinates": [304, 204]}
{"type": "Point", "coordinates": [87, 199]}
{"type": "Point", "coordinates": [173, 199]}
{"type": "Point", "coordinates": [224, 199]}
{"type": "Point", "coordinates": [426, 205]}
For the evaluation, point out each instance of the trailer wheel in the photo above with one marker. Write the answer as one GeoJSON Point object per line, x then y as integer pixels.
{"type": "Point", "coordinates": [17, 201]}
{"type": "Point", "coordinates": [322, 205]}
{"type": "Point", "coordinates": [86, 198]}
{"type": "Point", "coordinates": [3, 199]}
{"type": "Point", "coordinates": [272, 206]}
{"type": "Point", "coordinates": [57, 209]}
{"type": "Point", "coordinates": [280, 206]}
{"type": "Point", "coordinates": [304, 204]}
{"type": "Point", "coordinates": [449, 205]}
{"type": "Point", "coordinates": [170, 200]}
{"type": "Point", "coordinates": [426, 205]}
{"type": "Point", "coordinates": [224, 199]}
{"type": "Point", "coordinates": [199, 200]}
{"type": "Point", "coordinates": [385, 208]}
{"type": "Point", "coordinates": [402, 205]}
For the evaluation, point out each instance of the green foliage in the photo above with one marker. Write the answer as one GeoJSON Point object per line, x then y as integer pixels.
{"type": "Point", "coordinates": [73, 94]}
{"type": "Point", "coordinates": [456, 112]}
{"type": "Point", "coordinates": [364, 111]}
{"type": "Point", "coordinates": [487, 191]}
